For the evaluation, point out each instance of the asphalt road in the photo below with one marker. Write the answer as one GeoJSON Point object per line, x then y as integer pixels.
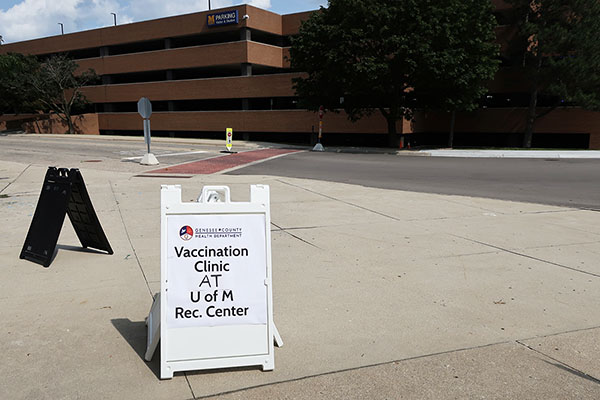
{"type": "Point", "coordinates": [105, 153]}
{"type": "Point", "coordinates": [571, 183]}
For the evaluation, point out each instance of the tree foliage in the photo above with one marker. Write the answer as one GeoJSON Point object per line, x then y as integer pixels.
{"type": "Point", "coordinates": [59, 87]}
{"type": "Point", "coordinates": [16, 93]}
{"type": "Point", "coordinates": [558, 41]}
{"type": "Point", "coordinates": [395, 56]}
{"type": "Point", "coordinates": [54, 86]}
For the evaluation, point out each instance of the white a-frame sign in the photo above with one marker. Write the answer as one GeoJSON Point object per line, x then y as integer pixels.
{"type": "Point", "coordinates": [215, 308]}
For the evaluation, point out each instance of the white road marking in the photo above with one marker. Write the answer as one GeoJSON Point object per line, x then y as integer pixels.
{"type": "Point", "coordinates": [168, 155]}
{"type": "Point", "coordinates": [262, 160]}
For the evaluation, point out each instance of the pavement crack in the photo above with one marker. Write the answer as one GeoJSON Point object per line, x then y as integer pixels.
{"type": "Point", "coordinates": [564, 210]}
{"type": "Point", "coordinates": [189, 385]}
{"type": "Point", "coordinates": [528, 256]}
{"type": "Point", "coordinates": [14, 180]}
{"type": "Point", "coordinates": [137, 259]}
{"type": "Point", "coordinates": [562, 365]}
{"type": "Point", "coordinates": [341, 201]}
{"type": "Point", "coordinates": [296, 237]}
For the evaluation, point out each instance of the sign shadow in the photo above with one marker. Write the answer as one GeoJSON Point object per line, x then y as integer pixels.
{"type": "Point", "coordinates": [72, 248]}
{"type": "Point", "coordinates": [134, 333]}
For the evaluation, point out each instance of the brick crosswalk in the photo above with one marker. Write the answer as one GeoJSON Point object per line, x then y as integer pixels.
{"type": "Point", "coordinates": [222, 163]}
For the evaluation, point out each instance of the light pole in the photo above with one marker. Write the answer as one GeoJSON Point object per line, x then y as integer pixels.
{"type": "Point", "coordinates": [208, 5]}
{"type": "Point", "coordinates": [114, 18]}
{"type": "Point", "coordinates": [62, 28]}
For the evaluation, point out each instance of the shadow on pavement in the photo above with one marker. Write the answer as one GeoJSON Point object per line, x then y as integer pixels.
{"type": "Point", "coordinates": [135, 332]}
{"type": "Point", "coordinates": [78, 249]}
{"type": "Point", "coordinates": [574, 372]}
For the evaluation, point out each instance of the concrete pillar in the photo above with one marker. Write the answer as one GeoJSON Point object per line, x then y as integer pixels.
{"type": "Point", "coordinates": [106, 79]}
{"type": "Point", "coordinates": [245, 104]}
{"type": "Point", "coordinates": [167, 43]}
{"type": "Point", "coordinates": [104, 51]}
{"type": "Point", "coordinates": [171, 108]}
{"type": "Point", "coordinates": [246, 69]}
{"type": "Point", "coordinates": [169, 75]}
{"type": "Point", "coordinates": [245, 34]}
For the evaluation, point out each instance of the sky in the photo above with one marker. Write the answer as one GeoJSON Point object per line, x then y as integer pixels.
{"type": "Point", "coordinates": [31, 19]}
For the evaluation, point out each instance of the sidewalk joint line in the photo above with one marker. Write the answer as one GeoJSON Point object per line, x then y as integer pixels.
{"type": "Point", "coordinates": [560, 333]}
{"type": "Point", "coordinates": [450, 200]}
{"type": "Point", "coordinates": [14, 180]}
{"type": "Point", "coordinates": [294, 236]}
{"type": "Point", "coordinates": [189, 385]}
{"type": "Point", "coordinates": [573, 370]}
{"type": "Point", "coordinates": [129, 238]}
{"type": "Point", "coordinates": [341, 201]}
{"type": "Point", "coordinates": [353, 369]}
{"type": "Point", "coordinates": [528, 256]}
{"type": "Point", "coordinates": [294, 228]}
{"type": "Point", "coordinates": [562, 245]}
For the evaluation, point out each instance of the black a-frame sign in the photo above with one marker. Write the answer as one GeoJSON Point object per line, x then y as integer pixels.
{"type": "Point", "coordinates": [63, 193]}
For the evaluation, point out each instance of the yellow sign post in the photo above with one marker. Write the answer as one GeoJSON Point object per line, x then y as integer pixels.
{"type": "Point", "coordinates": [229, 138]}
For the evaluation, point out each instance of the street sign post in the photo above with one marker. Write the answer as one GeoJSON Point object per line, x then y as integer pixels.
{"type": "Point", "coordinates": [229, 138]}
{"type": "Point", "coordinates": [145, 110]}
{"type": "Point", "coordinates": [228, 141]}
{"type": "Point", "coordinates": [319, 146]}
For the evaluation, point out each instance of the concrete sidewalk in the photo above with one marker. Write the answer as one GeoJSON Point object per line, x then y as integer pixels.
{"type": "Point", "coordinates": [568, 154]}
{"type": "Point", "coordinates": [377, 294]}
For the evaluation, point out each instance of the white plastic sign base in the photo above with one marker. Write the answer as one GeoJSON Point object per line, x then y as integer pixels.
{"type": "Point", "coordinates": [215, 308]}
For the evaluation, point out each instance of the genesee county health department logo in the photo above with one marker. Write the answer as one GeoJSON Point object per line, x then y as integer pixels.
{"type": "Point", "coordinates": [186, 232]}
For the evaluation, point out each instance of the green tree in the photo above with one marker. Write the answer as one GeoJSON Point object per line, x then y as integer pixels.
{"type": "Point", "coordinates": [558, 41]}
{"type": "Point", "coordinates": [16, 93]}
{"type": "Point", "coordinates": [59, 87]}
{"type": "Point", "coordinates": [395, 56]}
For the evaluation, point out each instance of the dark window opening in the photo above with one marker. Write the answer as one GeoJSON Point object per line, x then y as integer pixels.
{"type": "Point", "coordinates": [207, 72]}
{"type": "Point", "coordinates": [148, 76]}
{"type": "Point", "coordinates": [207, 105]}
{"type": "Point", "coordinates": [265, 103]}
{"type": "Point", "coordinates": [502, 100]}
{"type": "Point", "coordinates": [204, 39]}
{"type": "Point", "coordinates": [84, 53]}
{"type": "Point", "coordinates": [136, 47]}
{"type": "Point", "coordinates": [270, 38]}
{"type": "Point", "coordinates": [265, 70]}
{"type": "Point", "coordinates": [273, 103]}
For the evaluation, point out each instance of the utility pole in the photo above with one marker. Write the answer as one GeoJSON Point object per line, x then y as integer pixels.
{"type": "Point", "coordinates": [114, 18]}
